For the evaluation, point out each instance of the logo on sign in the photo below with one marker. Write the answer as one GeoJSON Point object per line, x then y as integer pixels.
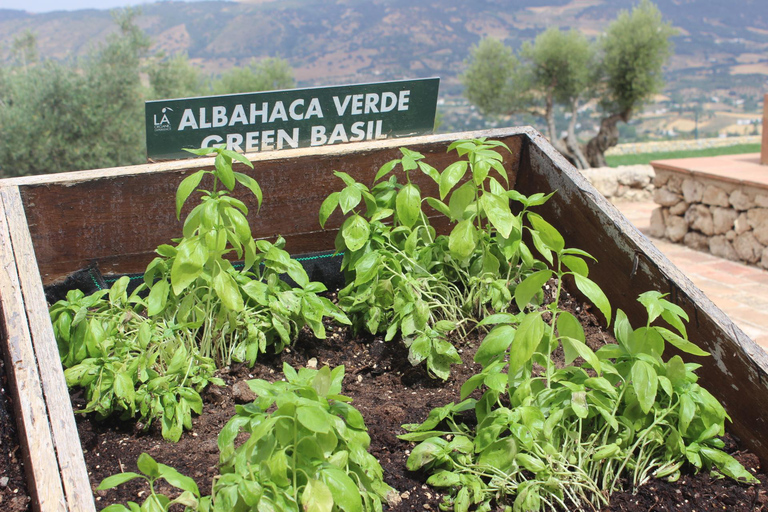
{"type": "Point", "coordinates": [164, 124]}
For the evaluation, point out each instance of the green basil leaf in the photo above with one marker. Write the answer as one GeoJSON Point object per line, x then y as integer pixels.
{"type": "Point", "coordinates": [430, 171]}
{"type": "Point", "coordinates": [494, 344]}
{"type": "Point", "coordinates": [451, 176]}
{"type": "Point", "coordinates": [527, 338]}
{"type": "Point", "coordinates": [314, 418]}
{"type": "Point", "coordinates": [329, 205]}
{"type": "Point", "coordinates": [228, 291]}
{"type": "Point", "coordinates": [594, 294]}
{"type": "Point", "coordinates": [157, 298]}
{"type": "Point", "coordinates": [349, 198]}
{"type": "Point", "coordinates": [148, 466]}
{"type": "Point", "coordinates": [186, 187]}
{"type": "Point", "coordinates": [549, 235]}
{"type": "Point", "coordinates": [118, 479]}
{"type": "Point", "coordinates": [569, 325]}
{"type": "Point", "coordinates": [681, 343]}
{"type": "Point", "coordinates": [574, 348]}
{"type": "Point", "coordinates": [250, 183]}
{"type": "Point", "coordinates": [575, 264]}
{"type": "Point", "coordinates": [497, 210]}
{"type": "Point", "coordinates": [645, 382]}
{"type": "Point", "coordinates": [346, 494]}
{"type": "Point", "coordinates": [408, 205]}
{"type": "Point", "coordinates": [530, 286]}
{"type": "Point", "coordinates": [463, 240]}
{"type": "Point", "coordinates": [386, 169]}
{"type": "Point", "coordinates": [188, 264]}
{"type": "Point", "coordinates": [355, 232]}
{"type": "Point", "coordinates": [176, 479]}
{"type": "Point", "coordinates": [439, 206]}
{"type": "Point", "coordinates": [224, 171]}
{"type": "Point", "coordinates": [460, 201]}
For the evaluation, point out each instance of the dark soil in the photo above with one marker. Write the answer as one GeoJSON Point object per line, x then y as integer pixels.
{"type": "Point", "coordinates": [13, 488]}
{"type": "Point", "coordinates": [388, 391]}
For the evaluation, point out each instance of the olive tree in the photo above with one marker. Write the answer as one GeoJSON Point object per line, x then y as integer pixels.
{"type": "Point", "coordinates": [263, 75]}
{"type": "Point", "coordinates": [633, 52]}
{"type": "Point", "coordinates": [621, 70]}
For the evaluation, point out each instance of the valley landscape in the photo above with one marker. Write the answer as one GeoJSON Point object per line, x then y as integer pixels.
{"type": "Point", "coordinates": [715, 80]}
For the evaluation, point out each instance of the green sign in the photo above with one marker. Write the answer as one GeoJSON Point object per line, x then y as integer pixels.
{"type": "Point", "coordinates": [293, 118]}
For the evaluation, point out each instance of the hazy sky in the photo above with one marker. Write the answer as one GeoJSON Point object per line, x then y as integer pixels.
{"type": "Point", "coordinates": [67, 5]}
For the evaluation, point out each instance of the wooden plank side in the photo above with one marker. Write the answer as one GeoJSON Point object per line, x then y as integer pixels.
{"type": "Point", "coordinates": [40, 465]}
{"type": "Point", "coordinates": [66, 439]}
{"type": "Point", "coordinates": [118, 219]}
{"type": "Point", "coordinates": [629, 264]}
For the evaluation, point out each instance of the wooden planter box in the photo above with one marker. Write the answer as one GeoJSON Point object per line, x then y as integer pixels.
{"type": "Point", "coordinates": [53, 225]}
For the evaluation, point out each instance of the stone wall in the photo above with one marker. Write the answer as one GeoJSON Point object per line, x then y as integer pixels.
{"type": "Point", "coordinates": [728, 219]}
{"type": "Point", "coordinates": [628, 182]}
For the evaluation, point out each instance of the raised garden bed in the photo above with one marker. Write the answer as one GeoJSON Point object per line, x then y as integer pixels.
{"type": "Point", "coordinates": [113, 217]}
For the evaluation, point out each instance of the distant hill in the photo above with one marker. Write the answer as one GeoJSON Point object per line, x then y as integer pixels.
{"type": "Point", "coordinates": [721, 44]}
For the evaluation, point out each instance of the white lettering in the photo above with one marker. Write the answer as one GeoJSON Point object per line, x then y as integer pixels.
{"type": "Point", "coordinates": [388, 101]}
{"type": "Point", "coordinates": [338, 134]}
{"type": "Point", "coordinates": [251, 141]}
{"type": "Point", "coordinates": [219, 117]}
{"type": "Point", "coordinates": [402, 104]}
{"type": "Point", "coordinates": [378, 130]}
{"type": "Point", "coordinates": [267, 140]}
{"type": "Point", "coordinates": [263, 112]}
{"type": "Point", "coordinates": [371, 100]}
{"type": "Point", "coordinates": [341, 107]}
{"type": "Point", "coordinates": [203, 123]}
{"type": "Point", "coordinates": [238, 116]}
{"type": "Point", "coordinates": [282, 138]}
{"type": "Point", "coordinates": [234, 142]}
{"type": "Point", "coordinates": [318, 137]}
{"type": "Point", "coordinates": [314, 109]}
{"type": "Point", "coordinates": [215, 139]}
{"type": "Point", "coordinates": [278, 112]}
{"type": "Point", "coordinates": [358, 133]}
{"type": "Point", "coordinates": [357, 104]}
{"type": "Point", "coordinates": [187, 120]}
{"type": "Point", "coordinates": [292, 110]}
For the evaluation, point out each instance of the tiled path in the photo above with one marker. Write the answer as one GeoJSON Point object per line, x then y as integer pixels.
{"type": "Point", "coordinates": [741, 291]}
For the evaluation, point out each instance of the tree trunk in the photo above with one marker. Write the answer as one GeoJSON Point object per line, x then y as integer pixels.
{"type": "Point", "coordinates": [606, 138]}
{"type": "Point", "coordinates": [571, 143]}
{"type": "Point", "coordinates": [549, 116]}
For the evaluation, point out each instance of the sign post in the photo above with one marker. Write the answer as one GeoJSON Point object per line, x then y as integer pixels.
{"type": "Point", "coordinates": [292, 118]}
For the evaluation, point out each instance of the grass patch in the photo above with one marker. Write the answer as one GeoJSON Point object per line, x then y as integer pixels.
{"type": "Point", "coordinates": [645, 158]}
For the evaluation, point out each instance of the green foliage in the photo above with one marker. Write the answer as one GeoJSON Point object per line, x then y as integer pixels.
{"type": "Point", "coordinates": [571, 436]}
{"type": "Point", "coordinates": [69, 116]}
{"type": "Point", "coordinates": [305, 448]}
{"type": "Point", "coordinates": [173, 77]}
{"type": "Point", "coordinates": [635, 48]}
{"type": "Point", "coordinates": [622, 70]}
{"type": "Point", "coordinates": [151, 471]}
{"type": "Point", "coordinates": [646, 158]}
{"type": "Point", "coordinates": [561, 64]}
{"type": "Point", "coordinates": [239, 313]}
{"type": "Point", "coordinates": [152, 353]}
{"type": "Point", "coordinates": [402, 277]}
{"type": "Point", "coordinates": [89, 113]}
{"type": "Point", "coordinates": [129, 364]}
{"type": "Point", "coordinates": [264, 75]}
{"type": "Point", "coordinates": [493, 80]}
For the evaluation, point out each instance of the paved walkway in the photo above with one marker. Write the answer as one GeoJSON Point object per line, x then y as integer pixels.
{"type": "Point", "coordinates": [739, 290]}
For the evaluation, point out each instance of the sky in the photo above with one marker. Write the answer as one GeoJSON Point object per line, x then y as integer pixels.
{"type": "Point", "coordinates": [38, 6]}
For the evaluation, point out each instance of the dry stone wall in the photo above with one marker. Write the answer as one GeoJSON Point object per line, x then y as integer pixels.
{"type": "Point", "coordinates": [728, 219]}
{"type": "Point", "coordinates": [628, 182]}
